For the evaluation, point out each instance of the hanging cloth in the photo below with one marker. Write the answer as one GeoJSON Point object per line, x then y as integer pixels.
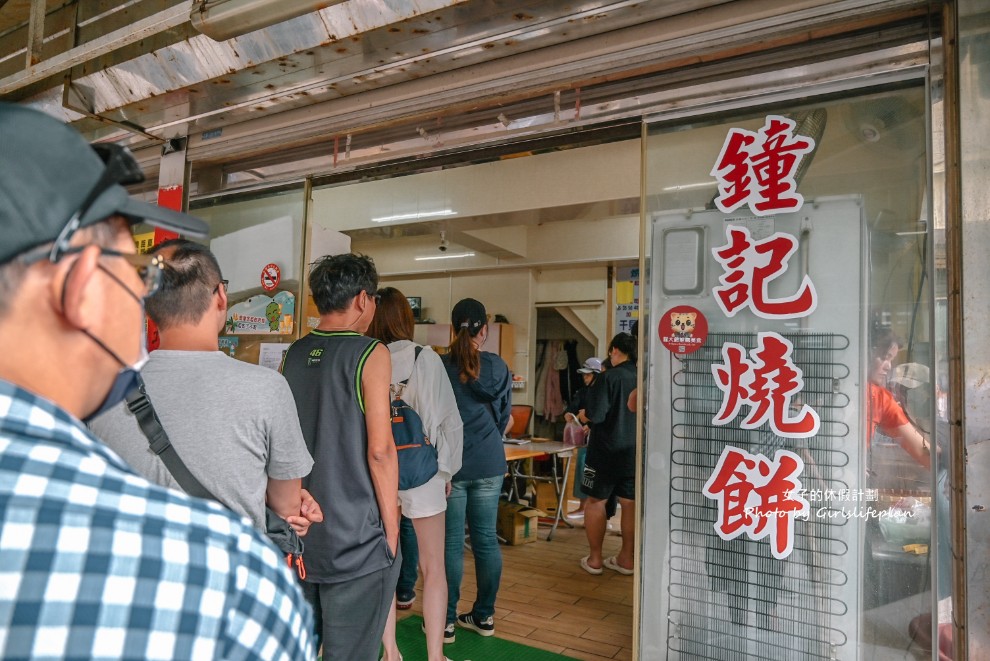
{"type": "Point", "coordinates": [539, 397]}
{"type": "Point", "coordinates": [554, 406]}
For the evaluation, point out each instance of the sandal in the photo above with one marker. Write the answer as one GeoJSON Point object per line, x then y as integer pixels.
{"type": "Point", "coordinates": [613, 564]}
{"type": "Point", "coordinates": [594, 571]}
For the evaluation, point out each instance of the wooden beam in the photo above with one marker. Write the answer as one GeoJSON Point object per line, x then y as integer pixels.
{"type": "Point", "coordinates": [36, 33]}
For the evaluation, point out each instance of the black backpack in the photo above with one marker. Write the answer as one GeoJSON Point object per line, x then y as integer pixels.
{"type": "Point", "coordinates": [417, 456]}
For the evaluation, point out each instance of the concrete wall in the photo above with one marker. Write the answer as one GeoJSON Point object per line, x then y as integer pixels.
{"type": "Point", "coordinates": [517, 293]}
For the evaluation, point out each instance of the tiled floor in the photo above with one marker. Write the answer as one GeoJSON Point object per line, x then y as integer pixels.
{"type": "Point", "coordinates": [546, 600]}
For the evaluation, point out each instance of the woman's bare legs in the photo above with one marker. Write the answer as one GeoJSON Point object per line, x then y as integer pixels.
{"type": "Point", "coordinates": [430, 533]}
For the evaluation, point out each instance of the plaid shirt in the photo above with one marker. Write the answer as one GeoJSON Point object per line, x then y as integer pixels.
{"type": "Point", "coordinates": [98, 563]}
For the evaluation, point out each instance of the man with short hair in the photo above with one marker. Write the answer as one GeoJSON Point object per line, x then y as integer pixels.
{"type": "Point", "coordinates": [340, 380]}
{"type": "Point", "coordinates": [233, 424]}
{"type": "Point", "coordinates": [610, 465]}
{"type": "Point", "coordinates": [95, 561]}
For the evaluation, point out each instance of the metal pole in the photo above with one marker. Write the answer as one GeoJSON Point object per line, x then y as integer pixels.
{"type": "Point", "coordinates": [301, 297]}
{"type": "Point", "coordinates": [956, 333]}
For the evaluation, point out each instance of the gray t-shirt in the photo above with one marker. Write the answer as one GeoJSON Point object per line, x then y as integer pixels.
{"type": "Point", "coordinates": [233, 424]}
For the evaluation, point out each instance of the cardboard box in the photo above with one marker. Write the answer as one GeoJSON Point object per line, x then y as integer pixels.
{"type": "Point", "coordinates": [546, 497]}
{"type": "Point", "coordinates": [517, 524]}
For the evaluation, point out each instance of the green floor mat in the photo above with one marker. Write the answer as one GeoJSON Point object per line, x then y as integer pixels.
{"type": "Point", "coordinates": [468, 647]}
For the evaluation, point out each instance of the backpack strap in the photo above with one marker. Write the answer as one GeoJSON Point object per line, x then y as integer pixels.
{"type": "Point", "coordinates": [278, 529]}
{"type": "Point", "coordinates": [161, 445]}
{"type": "Point", "coordinates": [397, 388]}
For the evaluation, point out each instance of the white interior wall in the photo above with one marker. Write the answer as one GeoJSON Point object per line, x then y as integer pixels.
{"type": "Point", "coordinates": [564, 242]}
{"type": "Point", "coordinates": [582, 291]}
{"type": "Point", "coordinates": [516, 294]}
{"type": "Point", "coordinates": [510, 296]}
{"type": "Point", "coordinates": [243, 254]}
{"type": "Point", "coordinates": [590, 174]}
{"type": "Point", "coordinates": [577, 250]}
{"type": "Point", "coordinates": [226, 218]}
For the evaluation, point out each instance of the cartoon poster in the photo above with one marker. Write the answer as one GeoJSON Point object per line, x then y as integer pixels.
{"type": "Point", "coordinates": [262, 315]}
{"type": "Point", "coordinates": [229, 345]}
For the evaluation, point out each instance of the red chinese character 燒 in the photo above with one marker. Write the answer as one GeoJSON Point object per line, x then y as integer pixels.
{"type": "Point", "coordinates": [750, 266]}
{"type": "Point", "coordinates": [758, 496]}
{"type": "Point", "coordinates": [733, 377]}
{"type": "Point", "coordinates": [766, 384]}
{"type": "Point", "coordinates": [758, 168]}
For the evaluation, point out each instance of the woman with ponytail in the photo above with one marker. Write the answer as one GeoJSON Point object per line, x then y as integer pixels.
{"type": "Point", "coordinates": [482, 388]}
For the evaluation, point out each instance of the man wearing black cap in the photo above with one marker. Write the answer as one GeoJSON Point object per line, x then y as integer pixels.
{"type": "Point", "coordinates": [96, 562]}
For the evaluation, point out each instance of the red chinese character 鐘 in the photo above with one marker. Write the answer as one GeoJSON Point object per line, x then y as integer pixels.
{"type": "Point", "coordinates": [758, 168]}
{"type": "Point", "coordinates": [766, 382]}
{"type": "Point", "coordinates": [758, 496]}
{"type": "Point", "coordinates": [750, 266]}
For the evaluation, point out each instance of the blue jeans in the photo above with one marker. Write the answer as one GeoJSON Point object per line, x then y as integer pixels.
{"type": "Point", "coordinates": [406, 588]}
{"type": "Point", "coordinates": [477, 501]}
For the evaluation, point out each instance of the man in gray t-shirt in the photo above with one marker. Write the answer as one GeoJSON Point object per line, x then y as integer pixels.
{"type": "Point", "coordinates": [233, 424]}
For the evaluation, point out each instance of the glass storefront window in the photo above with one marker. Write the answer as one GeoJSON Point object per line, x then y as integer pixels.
{"type": "Point", "coordinates": [258, 242]}
{"type": "Point", "coordinates": [796, 384]}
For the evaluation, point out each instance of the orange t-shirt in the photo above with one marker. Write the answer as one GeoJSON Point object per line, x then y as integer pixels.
{"type": "Point", "coordinates": [885, 412]}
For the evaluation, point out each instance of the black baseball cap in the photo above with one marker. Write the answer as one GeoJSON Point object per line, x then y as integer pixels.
{"type": "Point", "coordinates": [48, 173]}
{"type": "Point", "coordinates": [470, 314]}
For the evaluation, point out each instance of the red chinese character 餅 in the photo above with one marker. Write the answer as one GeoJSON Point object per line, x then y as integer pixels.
{"type": "Point", "coordinates": [766, 383]}
{"type": "Point", "coordinates": [758, 168]}
{"type": "Point", "coordinates": [758, 496]}
{"type": "Point", "coordinates": [750, 266]}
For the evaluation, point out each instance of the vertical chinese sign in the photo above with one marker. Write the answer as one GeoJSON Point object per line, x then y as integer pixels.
{"type": "Point", "coordinates": [626, 298]}
{"type": "Point", "coordinates": [760, 496]}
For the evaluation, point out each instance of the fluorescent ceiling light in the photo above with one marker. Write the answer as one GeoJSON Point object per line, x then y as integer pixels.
{"type": "Point", "coordinates": [415, 216]}
{"type": "Point", "coordinates": [703, 184]}
{"type": "Point", "coordinates": [423, 258]}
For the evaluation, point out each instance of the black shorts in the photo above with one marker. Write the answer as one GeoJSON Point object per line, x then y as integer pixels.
{"type": "Point", "coordinates": [607, 473]}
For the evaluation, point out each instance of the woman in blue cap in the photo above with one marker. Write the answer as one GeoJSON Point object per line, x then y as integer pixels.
{"type": "Point", "coordinates": [482, 387]}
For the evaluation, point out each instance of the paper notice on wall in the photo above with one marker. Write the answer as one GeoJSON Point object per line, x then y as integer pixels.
{"type": "Point", "coordinates": [270, 354]}
{"type": "Point", "coordinates": [626, 298]}
{"type": "Point", "coordinates": [625, 292]}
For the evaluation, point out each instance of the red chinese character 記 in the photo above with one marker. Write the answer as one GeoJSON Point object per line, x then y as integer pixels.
{"type": "Point", "coordinates": [766, 383]}
{"type": "Point", "coordinates": [758, 168]}
{"type": "Point", "coordinates": [750, 266]}
{"type": "Point", "coordinates": [758, 496]}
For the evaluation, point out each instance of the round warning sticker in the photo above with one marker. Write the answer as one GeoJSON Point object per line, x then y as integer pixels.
{"type": "Point", "coordinates": [683, 330]}
{"type": "Point", "coordinates": [271, 275]}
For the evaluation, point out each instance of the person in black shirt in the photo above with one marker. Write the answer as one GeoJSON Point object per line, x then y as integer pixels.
{"type": "Point", "coordinates": [610, 465]}
{"type": "Point", "coordinates": [577, 431]}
